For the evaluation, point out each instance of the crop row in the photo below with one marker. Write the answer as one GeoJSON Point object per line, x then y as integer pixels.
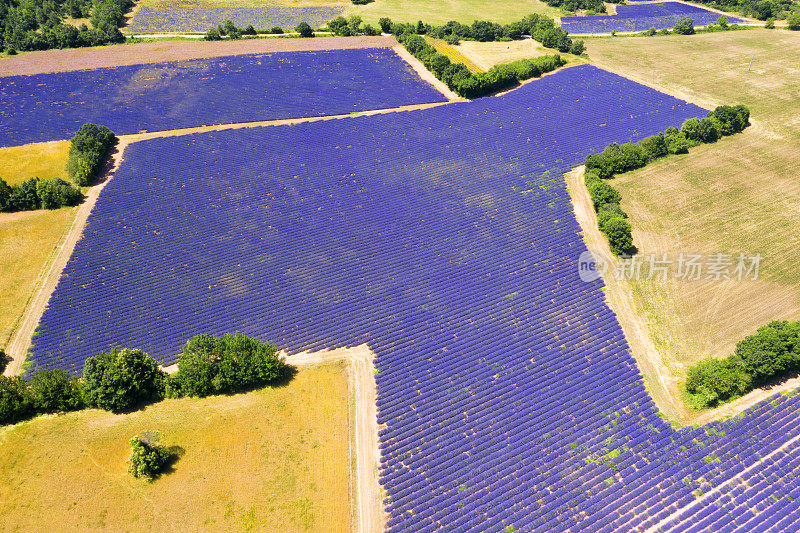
{"type": "Point", "coordinates": [642, 17]}
{"type": "Point", "coordinates": [244, 88]}
{"type": "Point", "coordinates": [445, 239]}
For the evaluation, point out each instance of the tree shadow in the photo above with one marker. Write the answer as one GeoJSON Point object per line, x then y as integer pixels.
{"type": "Point", "coordinates": [105, 172]}
{"type": "Point", "coordinates": [4, 361]}
{"type": "Point", "coordinates": [175, 454]}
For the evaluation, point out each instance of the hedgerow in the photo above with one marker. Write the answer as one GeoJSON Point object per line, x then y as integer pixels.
{"type": "Point", "coordinates": [37, 193]}
{"type": "Point", "coordinates": [616, 159]}
{"type": "Point", "coordinates": [770, 353]}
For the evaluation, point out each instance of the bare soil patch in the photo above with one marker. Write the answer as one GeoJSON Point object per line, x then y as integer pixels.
{"type": "Point", "coordinates": [137, 54]}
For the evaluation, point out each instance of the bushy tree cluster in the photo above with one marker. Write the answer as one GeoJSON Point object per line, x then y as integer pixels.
{"type": "Point", "coordinates": [148, 456]}
{"type": "Point", "coordinates": [230, 30]}
{"type": "Point", "coordinates": [539, 27]}
{"type": "Point", "coordinates": [87, 152]}
{"type": "Point", "coordinates": [119, 380]}
{"type": "Point", "coordinates": [760, 9]}
{"type": "Point", "coordinates": [771, 352]}
{"type": "Point", "coordinates": [231, 363]}
{"type": "Point", "coordinates": [36, 193]}
{"type": "Point", "coordinates": [594, 6]}
{"type": "Point", "coordinates": [39, 24]}
{"type": "Point", "coordinates": [49, 391]}
{"type": "Point", "coordinates": [351, 25]}
{"type": "Point", "coordinates": [611, 219]}
{"type": "Point", "coordinates": [685, 26]}
{"type": "Point", "coordinates": [474, 85]}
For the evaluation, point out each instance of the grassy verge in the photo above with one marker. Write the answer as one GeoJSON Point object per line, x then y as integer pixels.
{"type": "Point", "coordinates": [43, 160]}
{"type": "Point", "coordinates": [275, 459]}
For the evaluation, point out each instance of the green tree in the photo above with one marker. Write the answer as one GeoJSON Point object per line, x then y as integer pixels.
{"type": "Point", "coordinates": [15, 400]}
{"type": "Point", "coordinates": [793, 20]}
{"type": "Point", "coordinates": [712, 381]}
{"type": "Point", "coordinates": [121, 379]}
{"type": "Point", "coordinates": [24, 196]}
{"type": "Point", "coordinates": [602, 192]}
{"type": "Point", "coordinates": [54, 193]}
{"type": "Point", "coordinates": [685, 26]}
{"type": "Point", "coordinates": [213, 35]}
{"type": "Point", "coordinates": [620, 235]}
{"type": "Point", "coordinates": [304, 30]}
{"type": "Point", "coordinates": [87, 152]}
{"type": "Point", "coordinates": [55, 391]}
{"type": "Point", "coordinates": [148, 457]}
{"type": "Point", "coordinates": [386, 24]}
{"type": "Point", "coordinates": [654, 147]}
{"type": "Point", "coordinates": [723, 21]}
{"type": "Point", "coordinates": [5, 196]}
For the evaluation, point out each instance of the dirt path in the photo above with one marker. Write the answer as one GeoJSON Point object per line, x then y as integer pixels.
{"type": "Point", "coordinates": [49, 61]}
{"type": "Point", "coordinates": [425, 74]}
{"type": "Point", "coordinates": [20, 342]}
{"type": "Point", "coordinates": [658, 379]}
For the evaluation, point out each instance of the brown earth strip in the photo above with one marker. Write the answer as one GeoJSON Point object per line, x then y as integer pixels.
{"type": "Point", "coordinates": [136, 54]}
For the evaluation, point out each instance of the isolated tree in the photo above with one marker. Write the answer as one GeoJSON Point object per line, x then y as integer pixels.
{"type": "Point", "coordinates": [213, 35]}
{"type": "Point", "coordinates": [119, 380]}
{"type": "Point", "coordinates": [685, 26]}
{"type": "Point", "coordinates": [148, 457]}
{"type": "Point", "coordinates": [577, 48]}
{"type": "Point", "coordinates": [304, 30]}
{"type": "Point", "coordinates": [722, 21]}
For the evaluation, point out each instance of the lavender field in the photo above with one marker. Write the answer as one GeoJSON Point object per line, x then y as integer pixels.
{"type": "Point", "coordinates": [642, 17]}
{"type": "Point", "coordinates": [245, 88]}
{"type": "Point", "coordinates": [444, 239]}
{"type": "Point", "coordinates": [165, 19]}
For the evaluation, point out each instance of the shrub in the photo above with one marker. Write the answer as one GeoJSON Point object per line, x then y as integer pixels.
{"type": "Point", "coordinates": [53, 391]}
{"type": "Point", "coordinates": [437, 63]}
{"type": "Point", "coordinates": [304, 30]}
{"type": "Point", "coordinates": [650, 32]}
{"type": "Point", "coordinates": [386, 24]}
{"type": "Point", "coordinates": [654, 147]}
{"type": "Point", "coordinates": [119, 380]}
{"type": "Point", "coordinates": [772, 350]}
{"type": "Point", "coordinates": [212, 35]}
{"type": "Point", "coordinates": [685, 26]}
{"type": "Point", "coordinates": [700, 130]}
{"type": "Point", "coordinates": [712, 381]}
{"type": "Point", "coordinates": [88, 149]}
{"type": "Point", "coordinates": [214, 365]}
{"type": "Point", "coordinates": [608, 212]}
{"type": "Point", "coordinates": [793, 21]}
{"type": "Point", "coordinates": [602, 193]}
{"type": "Point", "coordinates": [249, 30]}
{"type": "Point", "coordinates": [730, 119]}
{"type": "Point", "coordinates": [361, 2]}
{"type": "Point", "coordinates": [619, 233]}
{"type": "Point", "coordinates": [24, 196]}
{"type": "Point", "coordinates": [577, 48]}
{"type": "Point", "coordinates": [371, 30]}
{"type": "Point", "coordinates": [770, 24]}
{"type": "Point", "coordinates": [15, 400]}
{"type": "Point", "coordinates": [55, 193]}
{"type": "Point", "coordinates": [148, 457]}
{"type": "Point", "coordinates": [277, 30]}
{"type": "Point", "coordinates": [676, 141]}
{"type": "Point", "coordinates": [5, 196]}
{"type": "Point", "coordinates": [722, 21]}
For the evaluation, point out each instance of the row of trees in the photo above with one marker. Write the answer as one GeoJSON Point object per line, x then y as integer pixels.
{"type": "Point", "coordinates": [38, 194]}
{"type": "Point", "coordinates": [770, 353]}
{"type": "Point", "coordinates": [39, 24]}
{"type": "Point", "coordinates": [230, 31]}
{"type": "Point", "coordinates": [616, 159]}
{"type": "Point", "coordinates": [592, 6]}
{"type": "Point", "coordinates": [88, 151]}
{"type": "Point", "coordinates": [474, 85]}
{"type": "Point", "coordinates": [120, 380]}
{"type": "Point", "coordinates": [759, 9]}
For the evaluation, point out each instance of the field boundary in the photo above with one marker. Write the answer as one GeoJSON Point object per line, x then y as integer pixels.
{"type": "Point", "coordinates": [660, 381]}
{"type": "Point", "coordinates": [425, 74]}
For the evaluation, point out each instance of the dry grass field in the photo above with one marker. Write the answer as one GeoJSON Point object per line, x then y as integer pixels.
{"type": "Point", "coordinates": [740, 195]}
{"type": "Point", "coordinates": [464, 11]}
{"type": "Point", "coordinates": [275, 459]}
{"type": "Point", "coordinates": [27, 239]}
{"type": "Point", "coordinates": [487, 55]}
{"type": "Point", "coordinates": [43, 160]}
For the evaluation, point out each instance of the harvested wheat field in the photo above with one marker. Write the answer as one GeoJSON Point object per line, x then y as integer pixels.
{"type": "Point", "coordinates": [737, 196]}
{"type": "Point", "coordinates": [275, 459]}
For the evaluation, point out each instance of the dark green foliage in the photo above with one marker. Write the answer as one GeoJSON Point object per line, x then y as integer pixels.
{"type": "Point", "coordinates": [608, 212]}
{"type": "Point", "coordinates": [793, 21]}
{"type": "Point", "coordinates": [386, 24]}
{"type": "Point", "coordinates": [676, 141]}
{"type": "Point", "coordinates": [437, 63]}
{"type": "Point", "coordinates": [56, 391]}
{"type": "Point", "coordinates": [771, 352]}
{"type": "Point", "coordinates": [685, 26]}
{"type": "Point", "coordinates": [277, 30]}
{"type": "Point", "coordinates": [39, 25]}
{"type": "Point", "coordinates": [55, 193]}
{"type": "Point", "coordinates": [712, 381]}
{"type": "Point", "coordinates": [121, 379]}
{"type": "Point", "coordinates": [148, 457]}
{"type": "Point", "coordinates": [371, 30]}
{"type": "Point", "coordinates": [214, 365]}
{"type": "Point", "coordinates": [304, 30]}
{"type": "Point", "coordinates": [24, 196]}
{"type": "Point", "coordinates": [249, 30]}
{"type": "Point", "coordinates": [361, 2]}
{"type": "Point", "coordinates": [484, 31]}
{"type": "Point", "coordinates": [700, 130]}
{"type": "Point", "coordinates": [619, 233]}
{"type": "Point", "coordinates": [654, 147]}
{"type": "Point", "coordinates": [339, 26]}
{"type": "Point", "coordinates": [722, 21]}
{"type": "Point", "coordinates": [212, 35]}
{"type": "Point", "coordinates": [770, 24]}
{"type": "Point", "coordinates": [616, 159]}
{"type": "Point", "coordinates": [577, 48]}
{"type": "Point", "coordinates": [87, 152]}
{"type": "Point", "coordinates": [602, 193]}
{"type": "Point", "coordinates": [15, 400]}
{"type": "Point", "coordinates": [578, 5]}
{"type": "Point", "coordinates": [730, 119]}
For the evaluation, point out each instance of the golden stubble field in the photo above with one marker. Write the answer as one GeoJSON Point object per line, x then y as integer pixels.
{"type": "Point", "coordinates": [275, 459]}
{"type": "Point", "coordinates": [739, 195]}
{"type": "Point", "coordinates": [28, 239]}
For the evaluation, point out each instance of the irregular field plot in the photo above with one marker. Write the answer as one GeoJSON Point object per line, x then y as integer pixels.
{"type": "Point", "coordinates": [740, 195]}
{"type": "Point", "coordinates": [207, 91]}
{"type": "Point", "coordinates": [200, 18]}
{"type": "Point", "coordinates": [642, 17]}
{"type": "Point", "coordinates": [44, 160]}
{"type": "Point", "coordinates": [270, 460]}
{"type": "Point", "coordinates": [464, 11]}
